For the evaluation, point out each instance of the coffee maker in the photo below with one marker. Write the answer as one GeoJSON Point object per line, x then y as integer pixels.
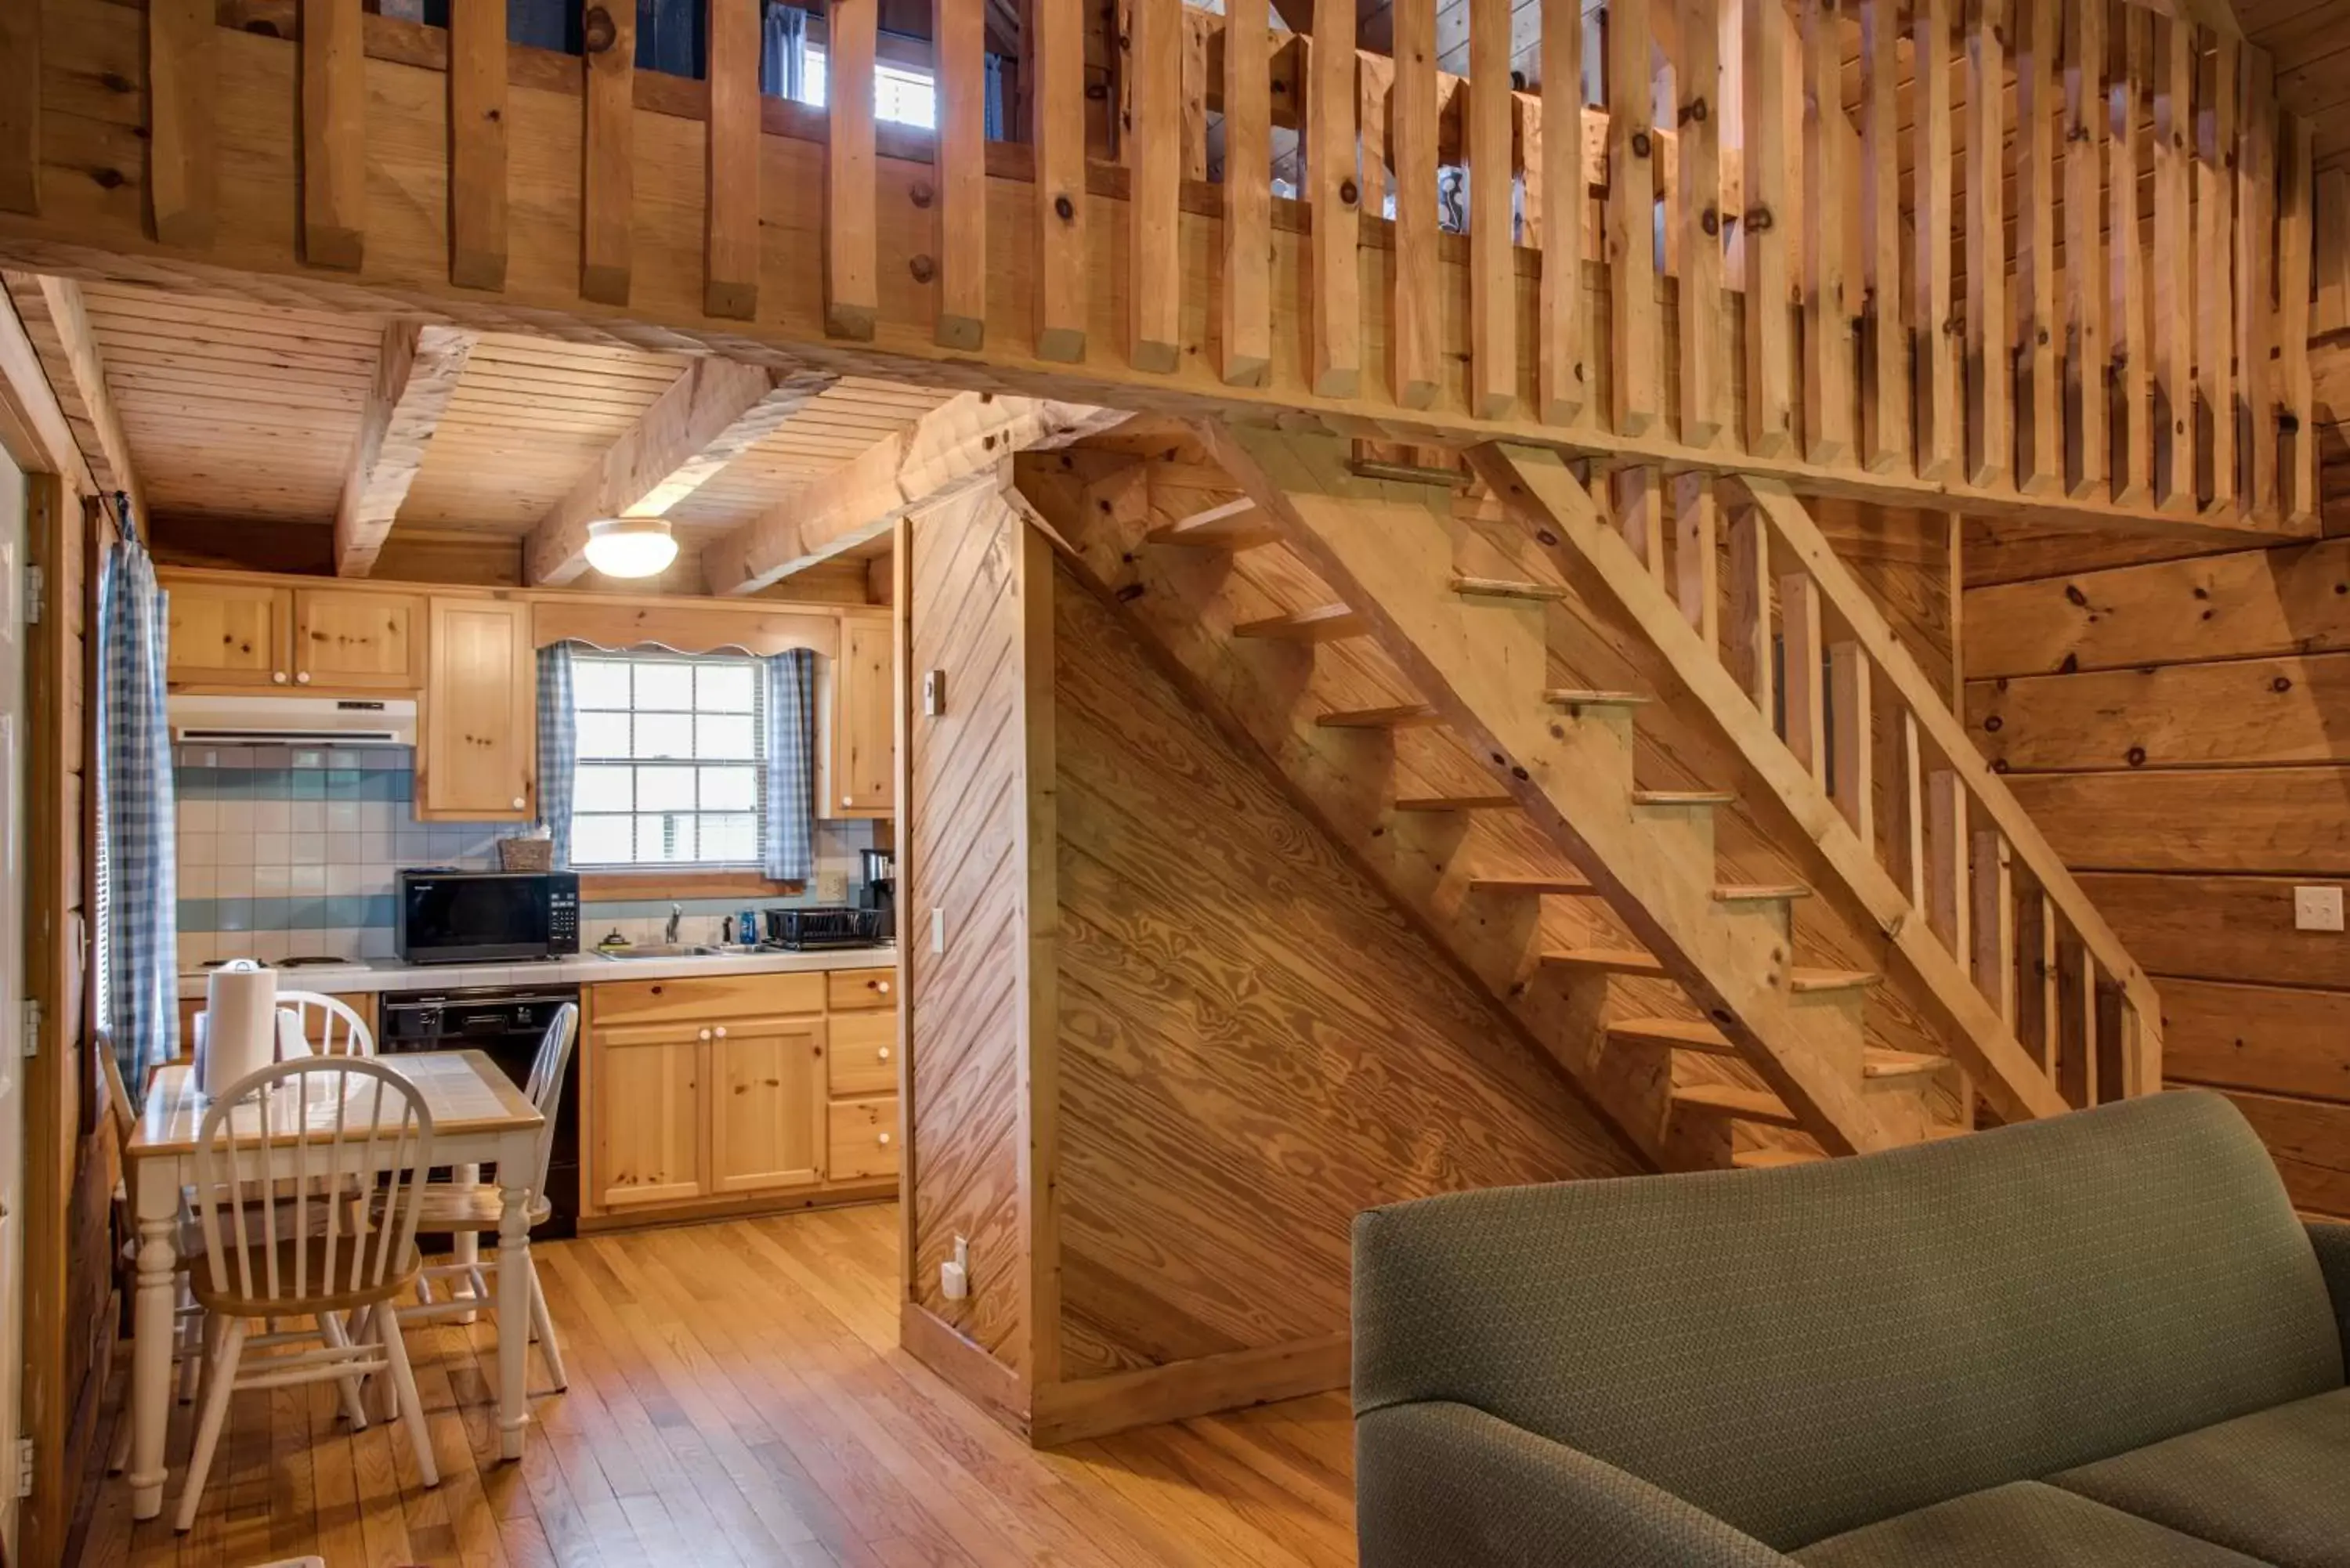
{"type": "Point", "coordinates": [880, 894]}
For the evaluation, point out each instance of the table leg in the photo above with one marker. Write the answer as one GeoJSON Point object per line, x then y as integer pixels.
{"type": "Point", "coordinates": [150, 1346]}
{"type": "Point", "coordinates": [468, 1245]}
{"type": "Point", "coordinates": [513, 1305]}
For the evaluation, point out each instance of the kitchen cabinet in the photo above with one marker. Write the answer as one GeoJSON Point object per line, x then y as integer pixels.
{"type": "Point", "coordinates": [358, 641]}
{"type": "Point", "coordinates": [648, 1081]}
{"type": "Point", "coordinates": [478, 720]}
{"type": "Point", "coordinates": [863, 1138]}
{"type": "Point", "coordinates": [230, 634]}
{"type": "Point", "coordinates": [864, 1047]}
{"type": "Point", "coordinates": [767, 1103]}
{"type": "Point", "coordinates": [860, 769]}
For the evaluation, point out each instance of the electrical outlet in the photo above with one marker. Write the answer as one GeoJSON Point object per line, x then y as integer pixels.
{"type": "Point", "coordinates": [832, 887]}
{"type": "Point", "coordinates": [2317, 908]}
{"type": "Point", "coordinates": [955, 1275]}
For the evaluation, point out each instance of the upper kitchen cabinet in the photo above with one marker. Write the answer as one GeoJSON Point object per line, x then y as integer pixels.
{"type": "Point", "coordinates": [478, 721]}
{"type": "Point", "coordinates": [860, 762]}
{"type": "Point", "coordinates": [370, 641]}
{"type": "Point", "coordinates": [230, 634]}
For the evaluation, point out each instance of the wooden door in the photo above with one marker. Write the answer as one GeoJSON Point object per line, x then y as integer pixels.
{"type": "Point", "coordinates": [863, 726]}
{"type": "Point", "coordinates": [229, 634]}
{"type": "Point", "coordinates": [358, 641]}
{"type": "Point", "coordinates": [478, 744]}
{"type": "Point", "coordinates": [767, 1103]}
{"type": "Point", "coordinates": [649, 1098]}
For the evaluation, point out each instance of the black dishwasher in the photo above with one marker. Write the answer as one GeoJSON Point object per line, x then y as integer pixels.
{"type": "Point", "coordinates": [504, 1023]}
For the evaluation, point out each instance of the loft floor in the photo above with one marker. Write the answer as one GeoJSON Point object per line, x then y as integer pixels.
{"type": "Point", "coordinates": [737, 1397]}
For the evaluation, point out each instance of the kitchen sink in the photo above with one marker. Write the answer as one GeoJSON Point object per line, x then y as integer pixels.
{"type": "Point", "coordinates": [663, 951]}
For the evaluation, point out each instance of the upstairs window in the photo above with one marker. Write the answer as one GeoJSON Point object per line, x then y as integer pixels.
{"type": "Point", "coordinates": [672, 762]}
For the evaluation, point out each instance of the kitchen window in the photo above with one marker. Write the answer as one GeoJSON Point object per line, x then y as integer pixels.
{"type": "Point", "coordinates": [672, 762]}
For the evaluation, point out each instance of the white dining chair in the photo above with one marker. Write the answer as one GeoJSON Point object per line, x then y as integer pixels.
{"type": "Point", "coordinates": [466, 1205]}
{"type": "Point", "coordinates": [312, 1129]}
{"type": "Point", "coordinates": [329, 1025]}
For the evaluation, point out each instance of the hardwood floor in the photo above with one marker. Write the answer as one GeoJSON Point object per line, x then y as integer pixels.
{"type": "Point", "coordinates": [737, 1398]}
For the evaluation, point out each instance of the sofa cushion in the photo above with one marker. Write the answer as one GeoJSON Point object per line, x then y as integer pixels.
{"type": "Point", "coordinates": [1800, 1352]}
{"type": "Point", "coordinates": [2023, 1524]}
{"type": "Point", "coordinates": [2276, 1484]}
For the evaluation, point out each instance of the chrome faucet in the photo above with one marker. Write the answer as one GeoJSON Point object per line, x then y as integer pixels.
{"type": "Point", "coordinates": [676, 915]}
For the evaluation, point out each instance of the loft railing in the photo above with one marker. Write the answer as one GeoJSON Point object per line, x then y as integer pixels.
{"type": "Point", "coordinates": [2015, 255]}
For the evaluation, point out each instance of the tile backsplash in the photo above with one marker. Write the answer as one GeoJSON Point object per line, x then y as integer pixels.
{"type": "Point", "coordinates": [290, 851]}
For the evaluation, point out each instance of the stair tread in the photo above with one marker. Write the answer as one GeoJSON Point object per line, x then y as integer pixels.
{"type": "Point", "coordinates": [1402, 716]}
{"type": "Point", "coordinates": [1681, 1034]}
{"type": "Point", "coordinates": [1576, 697]}
{"type": "Point", "coordinates": [1619, 960]}
{"type": "Point", "coordinates": [1759, 892]}
{"type": "Point", "coordinates": [1682, 797]}
{"type": "Point", "coordinates": [1508, 588]}
{"type": "Point", "coordinates": [1454, 802]}
{"type": "Point", "coordinates": [1324, 623]}
{"type": "Point", "coordinates": [1774, 1158]}
{"type": "Point", "coordinates": [1564, 882]}
{"type": "Point", "coordinates": [1801, 981]}
{"type": "Point", "coordinates": [1236, 524]}
{"type": "Point", "coordinates": [1883, 1062]}
{"type": "Point", "coordinates": [1757, 1105]}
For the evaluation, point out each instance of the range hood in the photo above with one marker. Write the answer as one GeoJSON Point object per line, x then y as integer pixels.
{"type": "Point", "coordinates": [344, 722]}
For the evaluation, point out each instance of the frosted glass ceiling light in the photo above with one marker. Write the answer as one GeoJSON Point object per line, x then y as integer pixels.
{"type": "Point", "coordinates": [630, 546]}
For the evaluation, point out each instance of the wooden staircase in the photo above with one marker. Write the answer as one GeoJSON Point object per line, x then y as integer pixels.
{"type": "Point", "coordinates": [1361, 629]}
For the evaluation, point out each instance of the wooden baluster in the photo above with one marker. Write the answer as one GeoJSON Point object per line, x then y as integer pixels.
{"type": "Point", "coordinates": [1853, 740]}
{"type": "Point", "coordinates": [2040, 452]}
{"type": "Point", "coordinates": [1991, 383]}
{"type": "Point", "coordinates": [1884, 342]}
{"type": "Point", "coordinates": [2175, 274]}
{"type": "Point", "coordinates": [2092, 1080]}
{"type": "Point", "coordinates": [2294, 388]}
{"type": "Point", "coordinates": [2050, 926]}
{"type": "Point", "coordinates": [1193, 78]}
{"type": "Point", "coordinates": [2129, 328]}
{"type": "Point", "coordinates": [1562, 372]}
{"type": "Point", "coordinates": [2215, 301]}
{"type": "Point", "coordinates": [2074, 1072]}
{"type": "Point", "coordinates": [2087, 430]}
{"type": "Point", "coordinates": [730, 255]}
{"type": "Point", "coordinates": [1493, 280]}
{"type": "Point", "coordinates": [2255, 239]}
{"type": "Point", "coordinates": [1697, 217]}
{"type": "Point", "coordinates": [1695, 558]}
{"type": "Point", "coordinates": [609, 192]}
{"type": "Point", "coordinates": [1941, 434]}
{"type": "Point", "coordinates": [183, 178]}
{"type": "Point", "coordinates": [1635, 341]}
{"type": "Point", "coordinates": [1994, 922]}
{"type": "Point", "coordinates": [851, 243]}
{"type": "Point", "coordinates": [1053, 69]}
{"type": "Point", "coordinates": [2332, 222]}
{"type": "Point", "coordinates": [2035, 939]}
{"type": "Point", "coordinates": [2141, 1073]}
{"type": "Point", "coordinates": [477, 144]}
{"type": "Point", "coordinates": [1419, 329]}
{"type": "Point", "coordinates": [1331, 177]}
{"type": "Point", "coordinates": [1828, 317]}
{"type": "Point", "coordinates": [1950, 879]}
{"type": "Point", "coordinates": [1914, 865]}
{"type": "Point", "coordinates": [1154, 254]}
{"type": "Point", "coordinates": [1770, 337]}
{"type": "Point", "coordinates": [1799, 620]}
{"type": "Point", "coordinates": [1248, 192]}
{"type": "Point", "coordinates": [1747, 647]}
{"type": "Point", "coordinates": [334, 135]}
{"type": "Point", "coordinates": [961, 34]}
{"type": "Point", "coordinates": [1640, 514]}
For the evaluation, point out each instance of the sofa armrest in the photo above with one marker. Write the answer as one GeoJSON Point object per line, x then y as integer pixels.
{"type": "Point", "coordinates": [2332, 1240]}
{"type": "Point", "coordinates": [1440, 1485]}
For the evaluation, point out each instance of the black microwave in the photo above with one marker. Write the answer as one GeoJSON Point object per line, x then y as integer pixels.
{"type": "Point", "coordinates": [485, 917]}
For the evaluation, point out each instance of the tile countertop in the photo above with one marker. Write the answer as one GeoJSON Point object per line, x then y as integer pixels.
{"type": "Point", "coordinates": [586, 969]}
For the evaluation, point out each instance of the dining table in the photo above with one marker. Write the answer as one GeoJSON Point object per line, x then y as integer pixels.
{"type": "Point", "coordinates": [479, 1116]}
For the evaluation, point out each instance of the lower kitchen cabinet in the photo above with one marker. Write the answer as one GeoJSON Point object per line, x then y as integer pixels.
{"type": "Point", "coordinates": [766, 1111]}
{"type": "Point", "coordinates": [648, 1082]}
{"type": "Point", "coordinates": [864, 1136]}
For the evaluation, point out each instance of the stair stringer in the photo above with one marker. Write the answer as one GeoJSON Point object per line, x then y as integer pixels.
{"type": "Point", "coordinates": [1387, 550]}
{"type": "Point", "coordinates": [1561, 521]}
{"type": "Point", "coordinates": [1093, 504]}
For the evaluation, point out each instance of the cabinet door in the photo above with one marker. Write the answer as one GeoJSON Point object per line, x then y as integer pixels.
{"type": "Point", "coordinates": [477, 760]}
{"type": "Point", "coordinates": [864, 1050]}
{"type": "Point", "coordinates": [358, 640]}
{"type": "Point", "coordinates": [767, 1103]}
{"type": "Point", "coordinates": [648, 1134]}
{"type": "Point", "coordinates": [864, 730]}
{"type": "Point", "coordinates": [230, 634]}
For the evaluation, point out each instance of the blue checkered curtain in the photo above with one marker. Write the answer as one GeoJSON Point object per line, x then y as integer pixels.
{"type": "Point", "coordinates": [558, 748]}
{"type": "Point", "coordinates": [791, 766]}
{"type": "Point", "coordinates": [783, 51]}
{"type": "Point", "coordinates": [138, 926]}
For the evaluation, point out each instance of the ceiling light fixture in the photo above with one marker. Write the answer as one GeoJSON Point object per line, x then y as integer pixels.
{"type": "Point", "coordinates": [630, 546]}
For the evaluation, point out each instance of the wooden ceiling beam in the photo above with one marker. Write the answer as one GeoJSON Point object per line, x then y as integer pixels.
{"type": "Point", "coordinates": [56, 328]}
{"type": "Point", "coordinates": [957, 443]}
{"type": "Point", "coordinates": [34, 430]}
{"type": "Point", "coordinates": [710, 416]}
{"type": "Point", "coordinates": [416, 373]}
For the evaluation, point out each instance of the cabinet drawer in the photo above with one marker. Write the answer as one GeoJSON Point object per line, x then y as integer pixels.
{"type": "Point", "coordinates": [705, 996]}
{"type": "Point", "coordinates": [853, 988]}
{"type": "Point", "coordinates": [864, 1138]}
{"type": "Point", "coordinates": [864, 1054]}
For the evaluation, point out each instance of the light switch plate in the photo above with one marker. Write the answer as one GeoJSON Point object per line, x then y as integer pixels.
{"type": "Point", "coordinates": [2317, 908]}
{"type": "Point", "coordinates": [934, 693]}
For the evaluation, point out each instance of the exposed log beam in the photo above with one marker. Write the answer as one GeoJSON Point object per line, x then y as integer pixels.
{"type": "Point", "coordinates": [709, 417]}
{"type": "Point", "coordinates": [34, 430]}
{"type": "Point", "coordinates": [58, 328]}
{"type": "Point", "coordinates": [416, 372]}
{"type": "Point", "coordinates": [957, 443]}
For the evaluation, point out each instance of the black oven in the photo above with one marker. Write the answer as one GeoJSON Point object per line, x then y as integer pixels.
{"type": "Point", "coordinates": [485, 917]}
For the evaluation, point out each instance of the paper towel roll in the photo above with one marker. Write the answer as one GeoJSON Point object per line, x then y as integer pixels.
{"type": "Point", "coordinates": [241, 1031]}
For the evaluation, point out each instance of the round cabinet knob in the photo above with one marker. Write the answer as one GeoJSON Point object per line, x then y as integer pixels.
{"type": "Point", "coordinates": [720, 1032]}
{"type": "Point", "coordinates": [303, 679]}
{"type": "Point", "coordinates": [883, 1053]}
{"type": "Point", "coordinates": [705, 1035]}
{"type": "Point", "coordinates": [277, 677]}
{"type": "Point", "coordinates": [517, 805]}
{"type": "Point", "coordinates": [885, 1138]}
{"type": "Point", "coordinates": [845, 800]}
{"type": "Point", "coordinates": [882, 986]}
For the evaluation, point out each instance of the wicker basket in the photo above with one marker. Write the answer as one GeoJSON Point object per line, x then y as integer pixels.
{"type": "Point", "coordinates": [527, 854]}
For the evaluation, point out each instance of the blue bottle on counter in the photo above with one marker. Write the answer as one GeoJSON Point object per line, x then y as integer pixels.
{"type": "Point", "coordinates": [746, 927]}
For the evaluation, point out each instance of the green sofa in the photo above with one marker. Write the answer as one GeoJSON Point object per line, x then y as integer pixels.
{"type": "Point", "coordinates": [2101, 1339]}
